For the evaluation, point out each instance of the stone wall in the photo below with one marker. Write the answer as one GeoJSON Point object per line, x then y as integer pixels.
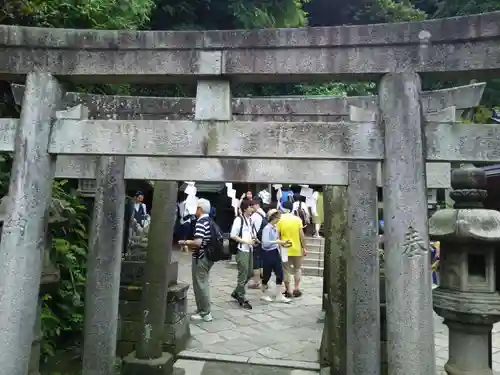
{"type": "Point", "coordinates": [176, 334]}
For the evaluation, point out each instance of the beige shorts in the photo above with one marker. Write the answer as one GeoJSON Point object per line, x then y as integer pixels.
{"type": "Point", "coordinates": [292, 267]}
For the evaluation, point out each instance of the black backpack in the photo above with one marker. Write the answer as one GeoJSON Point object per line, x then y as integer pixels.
{"type": "Point", "coordinates": [215, 250]}
{"type": "Point", "coordinates": [233, 245]}
{"type": "Point", "coordinates": [300, 213]}
{"type": "Point", "coordinates": [262, 226]}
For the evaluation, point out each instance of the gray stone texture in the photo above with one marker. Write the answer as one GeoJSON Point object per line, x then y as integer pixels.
{"type": "Point", "coordinates": [362, 272]}
{"type": "Point", "coordinates": [452, 45]}
{"type": "Point", "coordinates": [163, 365]}
{"type": "Point", "coordinates": [23, 234]}
{"type": "Point", "coordinates": [155, 286]}
{"type": "Point", "coordinates": [103, 265]}
{"type": "Point", "coordinates": [406, 256]}
{"type": "Point", "coordinates": [444, 142]}
{"type": "Point", "coordinates": [176, 330]}
{"type": "Point", "coordinates": [266, 109]}
{"type": "Point", "coordinates": [333, 345]}
{"type": "Point", "coordinates": [328, 108]}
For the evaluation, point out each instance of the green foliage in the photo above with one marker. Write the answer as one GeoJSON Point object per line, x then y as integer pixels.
{"type": "Point", "coordinates": [453, 8]}
{"type": "Point", "coordinates": [62, 310]}
{"type": "Point", "coordinates": [377, 11]}
{"type": "Point", "coordinates": [90, 14]}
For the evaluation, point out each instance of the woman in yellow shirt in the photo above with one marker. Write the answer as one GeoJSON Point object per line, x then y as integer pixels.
{"type": "Point", "coordinates": [290, 229]}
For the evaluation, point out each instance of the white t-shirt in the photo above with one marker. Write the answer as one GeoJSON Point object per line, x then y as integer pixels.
{"type": "Point", "coordinates": [247, 232]}
{"type": "Point", "coordinates": [184, 211]}
{"type": "Point", "coordinates": [302, 206]}
{"type": "Point", "coordinates": [265, 196]}
{"type": "Point", "coordinates": [137, 205]}
{"type": "Point", "coordinates": [312, 203]}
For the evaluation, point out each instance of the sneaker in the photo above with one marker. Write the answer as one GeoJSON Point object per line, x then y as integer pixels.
{"type": "Point", "coordinates": [297, 293]}
{"type": "Point", "coordinates": [281, 298]}
{"type": "Point", "coordinates": [265, 296]}
{"type": "Point", "coordinates": [199, 317]}
{"type": "Point", "coordinates": [246, 305]}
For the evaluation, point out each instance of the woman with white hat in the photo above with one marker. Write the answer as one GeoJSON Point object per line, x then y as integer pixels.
{"type": "Point", "coordinates": [271, 258]}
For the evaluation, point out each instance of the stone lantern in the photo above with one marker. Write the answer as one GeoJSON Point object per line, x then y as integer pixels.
{"type": "Point", "coordinates": [468, 296]}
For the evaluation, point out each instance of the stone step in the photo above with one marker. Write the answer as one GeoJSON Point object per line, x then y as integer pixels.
{"type": "Point", "coordinates": [318, 241]}
{"type": "Point", "coordinates": [315, 247]}
{"type": "Point", "coordinates": [314, 255]}
{"type": "Point", "coordinates": [309, 262]}
{"type": "Point", "coordinates": [312, 271]}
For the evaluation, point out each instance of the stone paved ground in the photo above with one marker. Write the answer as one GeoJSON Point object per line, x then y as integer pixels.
{"type": "Point", "coordinates": [268, 331]}
{"type": "Point", "coordinates": [218, 368]}
{"type": "Point", "coordinates": [273, 332]}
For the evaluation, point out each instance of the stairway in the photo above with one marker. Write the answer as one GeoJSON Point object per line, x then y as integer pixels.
{"type": "Point", "coordinates": [313, 262]}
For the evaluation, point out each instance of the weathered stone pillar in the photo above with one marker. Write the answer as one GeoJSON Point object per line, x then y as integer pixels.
{"type": "Point", "coordinates": [149, 356]}
{"type": "Point", "coordinates": [333, 348]}
{"type": "Point", "coordinates": [410, 331]}
{"type": "Point", "coordinates": [362, 298]}
{"type": "Point", "coordinates": [103, 268]}
{"type": "Point", "coordinates": [22, 243]}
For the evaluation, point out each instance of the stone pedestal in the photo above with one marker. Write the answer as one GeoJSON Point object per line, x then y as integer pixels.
{"type": "Point", "coordinates": [176, 330]}
{"type": "Point", "coordinates": [467, 296]}
{"type": "Point", "coordinates": [469, 348]}
{"type": "Point", "coordinates": [164, 365]}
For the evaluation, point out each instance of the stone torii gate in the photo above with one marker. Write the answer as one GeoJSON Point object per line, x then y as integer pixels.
{"type": "Point", "coordinates": [398, 138]}
{"type": "Point", "coordinates": [439, 105]}
{"type": "Point", "coordinates": [290, 109]}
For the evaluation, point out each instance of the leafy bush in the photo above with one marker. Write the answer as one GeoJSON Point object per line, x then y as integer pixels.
{"type": "Point", "coordinates": [62, 310]}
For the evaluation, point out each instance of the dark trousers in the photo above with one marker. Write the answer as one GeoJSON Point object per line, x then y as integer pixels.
{"type": "Point", "coordinates": [256, 254]}
{"type": "Point", "coordinates": [271, 262]}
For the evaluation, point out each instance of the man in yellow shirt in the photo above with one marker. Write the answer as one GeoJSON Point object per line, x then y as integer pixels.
{"type": "Point", "coordinates": [290, 229]}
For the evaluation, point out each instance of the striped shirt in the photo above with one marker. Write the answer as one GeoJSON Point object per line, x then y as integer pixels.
{"type": "Point", "coordinates": [202, 230]}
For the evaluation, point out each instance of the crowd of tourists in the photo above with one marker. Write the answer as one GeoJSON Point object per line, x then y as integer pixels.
{"type": "Point", "coordinates": [264, 241]}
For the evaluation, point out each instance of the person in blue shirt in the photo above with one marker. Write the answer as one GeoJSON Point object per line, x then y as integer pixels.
{"type": "Point", "coordinates": [271, 258]}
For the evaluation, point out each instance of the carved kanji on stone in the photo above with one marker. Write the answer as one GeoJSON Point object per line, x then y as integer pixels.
{"type": "Point", "coordinates": [414, 245]}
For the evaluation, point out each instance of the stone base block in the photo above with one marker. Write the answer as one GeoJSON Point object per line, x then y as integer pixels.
{"type": "Point", "coordinates": [176, 329]}
{"type": "Point", "coordinates": [133, 271]}
{"type": "Point", "coordinates": [159, 366]}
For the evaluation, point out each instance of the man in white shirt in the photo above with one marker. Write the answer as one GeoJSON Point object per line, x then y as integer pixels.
{"type": "Point", "coordinates": [186, 222]}
{"type": "Point", "coordinates": [300, 209]}
{"type": "Point", "coordinates": [140, 213]}
{"type": "Point", "coordinates": [243, 233]}
{"type": "Point", "coordinates": [258, 222]}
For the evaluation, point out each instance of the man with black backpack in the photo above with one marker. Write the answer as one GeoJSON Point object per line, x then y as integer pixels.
{"type": "Point", "coordinates": [207, 246]}
{"type": "Point", "coordinates": [301, 210]}
{"type": "Point", "coordinates": [259, 221]}
{"type": "Point", "coordinates": [242, 241]}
